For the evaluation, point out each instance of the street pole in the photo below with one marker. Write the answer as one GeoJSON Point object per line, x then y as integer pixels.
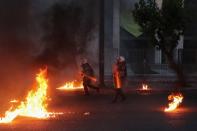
{"type": "Point", "coordinates": [101, 44]}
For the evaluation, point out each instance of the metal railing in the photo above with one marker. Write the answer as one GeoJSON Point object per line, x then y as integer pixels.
{"type": "Point", "coordinates": [153, 62]}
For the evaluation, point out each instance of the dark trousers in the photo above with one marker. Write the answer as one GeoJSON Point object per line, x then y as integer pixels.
{"type": "Point", "coordinates": [86, 84]}
{"type": "Point", "coordinates": [119, 93]}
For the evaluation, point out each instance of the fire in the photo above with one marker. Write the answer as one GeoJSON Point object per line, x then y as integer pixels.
{"type": "Point", "coordinates": [35, 103]}
{"type": "Point", "coordinates": [176, 100]}
{"type": "Point", "coordinates": [14, 101]}
{"type": "Point", "coordinates": [145, 87]}
{"type": "Point", "coordinates": [73, 85]}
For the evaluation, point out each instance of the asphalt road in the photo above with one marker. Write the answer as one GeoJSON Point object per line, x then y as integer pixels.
{"type": "Point", "coordinates": [96, 113]}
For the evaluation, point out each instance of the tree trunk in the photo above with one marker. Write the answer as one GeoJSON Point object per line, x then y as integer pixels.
{"type": "Point", "coordinates": [179, 72]}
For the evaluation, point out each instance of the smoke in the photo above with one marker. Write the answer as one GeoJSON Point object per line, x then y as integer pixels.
{"type": "Point", "coordinates": [68, 30]}
{"type": "Point", "coordinates": [26, 46]}
{"type": "Point", "coordinates": [14, 47]}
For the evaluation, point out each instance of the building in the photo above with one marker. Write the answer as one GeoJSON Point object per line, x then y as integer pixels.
{"type": "Point", "coordinates": [122, 37]}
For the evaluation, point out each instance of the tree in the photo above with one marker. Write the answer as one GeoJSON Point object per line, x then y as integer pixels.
{"type": "Point", "coordinates": [164, 27]}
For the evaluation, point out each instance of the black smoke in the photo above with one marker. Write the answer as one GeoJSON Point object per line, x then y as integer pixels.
{"type": "Point", "coordinates": [37, 33]}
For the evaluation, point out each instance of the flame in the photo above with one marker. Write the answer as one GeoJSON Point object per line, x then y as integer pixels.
{"type": "Point", "coordinates": [14, 101]}
{"type": "Point", "coordinates": [73, 85]}
{"type": "Point", "coordinates": [145, 87]}
{"type": "Point", "coordinates": [35, 103]}
{"type": "Point", "coordinates": [176, 100]}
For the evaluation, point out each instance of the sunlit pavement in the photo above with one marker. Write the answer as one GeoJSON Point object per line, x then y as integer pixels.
{"type": "Point", "coordinates": [140, 112]}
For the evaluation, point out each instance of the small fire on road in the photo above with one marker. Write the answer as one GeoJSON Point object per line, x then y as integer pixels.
{"type": "Point", "coordinates": [175, 100]}
{"type": "Point", "coordinates": [35, 104]}
{"type": "Point", "coordinates": [73, 85]}
{"type": "Point", "coordinates": [145, 87]}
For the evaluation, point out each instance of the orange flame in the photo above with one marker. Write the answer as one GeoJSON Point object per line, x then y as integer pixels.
{"type": "Point", "coordinates": [35, 103]}
{"type": "Point", "coordinates": [73, 85]}
{"type": "Point", "coordinates": [145, 87]}
{"type": "Point", "coordinates": [14, 101]}
{"type": "Point", "coordinates": [176, 100]}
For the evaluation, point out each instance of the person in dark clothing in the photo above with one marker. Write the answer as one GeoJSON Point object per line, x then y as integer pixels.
{"type": "Point", "coordinates": [88, 77]}
{"type": "Point", "coordinates": [119, 77]}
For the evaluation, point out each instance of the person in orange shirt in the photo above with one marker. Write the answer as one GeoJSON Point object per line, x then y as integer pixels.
{"type": "Point", "coordinates": [119, 77]}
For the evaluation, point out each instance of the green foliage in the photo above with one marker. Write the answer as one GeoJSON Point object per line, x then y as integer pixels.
{"type": "Point", "coordinates": [128, 23]}
{"type": "Point", "coordinates": [163, 26]}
